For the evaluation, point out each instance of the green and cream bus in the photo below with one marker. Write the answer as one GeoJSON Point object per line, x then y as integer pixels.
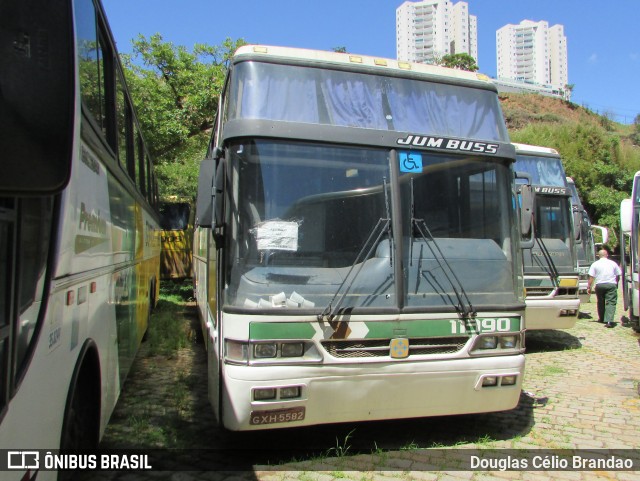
{"type": "Point", "coordinates": [549, 248]}
{"type": "Point", "coordinates": [357, 248]}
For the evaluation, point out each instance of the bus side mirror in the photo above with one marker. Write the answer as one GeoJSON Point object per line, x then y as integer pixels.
{"type": "Point", "coordinates": [577, 225]}
{"type": "Point", "coordinates": [526, 204]}
{"type": "Point", "coordinates": [204, 201]}
{"type": "Point", "coordinates": [37, 96]}
{"type": "Point", "coordinates": [218, 195]}
{"type": "Point", "coordinates": [526, 210]}
{"type": "Point", "coordinates": [604, 234]}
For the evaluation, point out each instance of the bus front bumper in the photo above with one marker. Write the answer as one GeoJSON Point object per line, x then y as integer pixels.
{"type": "Point", "coordinates": [551, 313]}
{"type": "Point", "coordinates": [350, 393]}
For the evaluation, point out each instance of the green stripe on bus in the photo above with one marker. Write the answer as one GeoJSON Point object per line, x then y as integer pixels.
{"type": "Point", "coordinates": [415, 328]}
{"type": "Point", "coordinates": [441, 327]}
{"type": "Point", "coordinates": [281, 330]}
{"type": "Point", "coordinates": [424, 328]}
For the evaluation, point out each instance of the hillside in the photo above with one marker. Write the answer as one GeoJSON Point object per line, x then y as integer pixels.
{"type": "Point", "coordinates": [601, 155]}
{"type": "Point", "coordinates": [523, 109]}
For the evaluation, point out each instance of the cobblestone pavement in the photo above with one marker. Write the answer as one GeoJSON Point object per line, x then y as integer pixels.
{"type": "Point", "coordinates": [580, 392]}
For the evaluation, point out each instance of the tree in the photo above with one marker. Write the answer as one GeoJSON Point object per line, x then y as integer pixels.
{"type": "Point", "coordinates": [176, 93]}
{"type": "Point", "coordinates": [460, 61]}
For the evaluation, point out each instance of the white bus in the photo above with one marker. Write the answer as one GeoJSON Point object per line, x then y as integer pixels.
{"type": "Point", "coordinates": [588, 238]}
{"type": "Point", "coordinates": [629, 230]}
{"type": "Point", "coordinates": [79, 233]}
{"type": "Point", "coordinates": [549, 250]}
{"type": "Point", "coordinates": [359, 258]}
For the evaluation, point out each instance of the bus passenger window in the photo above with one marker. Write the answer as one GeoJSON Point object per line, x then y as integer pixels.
{"type": "Point", "coordinates": [138, 153]}
{"type": "Point", "coordinates": [123, 122]}
{"type": "Point", "coordinates": [91, 63]}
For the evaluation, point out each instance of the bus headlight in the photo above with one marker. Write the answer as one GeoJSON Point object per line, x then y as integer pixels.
{"type": "Point", "coordinates": [487, 342]}
{"type": "Point", "coordinates": [292, 349]}
{"type": "Point", "coordinates": [269, 352]}
{"type": "Point", "coordinates": [497, 345]}
{"type": "Point", "coordinates": [265, 350]}
{"type": "Point", "coordinates": [508, 342]}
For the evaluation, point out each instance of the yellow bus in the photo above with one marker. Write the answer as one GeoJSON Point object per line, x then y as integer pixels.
{"type": "Point", "coordinates": [176, 222]}
{"type": "Point", "coordinates": [79, 228]}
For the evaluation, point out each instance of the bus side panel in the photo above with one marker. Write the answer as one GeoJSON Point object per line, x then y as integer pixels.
{"type": "Point", "coordinates": [89, 236]}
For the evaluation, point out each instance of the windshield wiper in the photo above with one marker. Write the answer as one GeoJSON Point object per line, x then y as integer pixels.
{"type": "Point", "coordinates": [465, 309]}
{"type": "Point", "coordinates": [382, 226]}
{"type": "Point", "coordinates": [553, 274]}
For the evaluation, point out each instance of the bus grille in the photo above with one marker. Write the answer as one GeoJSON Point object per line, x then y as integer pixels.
{"type": "Point", "coordinates": [539, 291]}
{"type": "Point", "coordinates": [380, 347]}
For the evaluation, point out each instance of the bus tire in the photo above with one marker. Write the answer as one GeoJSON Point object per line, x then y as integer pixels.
{"type": "Point", "coordinates": [81, 422]}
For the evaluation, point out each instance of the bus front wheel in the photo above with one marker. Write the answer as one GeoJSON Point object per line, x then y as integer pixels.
{"type": "Point", "coordinates": [81, 424]}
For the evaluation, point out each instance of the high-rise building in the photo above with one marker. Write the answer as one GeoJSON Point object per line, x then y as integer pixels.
{"type": "Point", "coordinates": [533, 52]}
{"type": "Point", "coordinates": [430, 29]}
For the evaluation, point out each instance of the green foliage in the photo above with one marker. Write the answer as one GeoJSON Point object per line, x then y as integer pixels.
{"type": "Point", "coordinates": [166, 333]}
{"type": "Point", "coordinates": [175, 92]}
{"type": "Point", "coordinates": [461, 61]}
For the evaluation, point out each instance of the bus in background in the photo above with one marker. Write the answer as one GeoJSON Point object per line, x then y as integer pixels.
{"type": "Point", "coordinates": [176, 222]}
{"type": "Point", "coordinates": [362, 240]}
{"type": "Point", "coordinates": [629, 230]}
{"type": "Point", "coordinates": [80, 257]}
{"type": "Point", "coordinates": [549, 252]}
{"type": "Point", "coordinates": [588, 239]}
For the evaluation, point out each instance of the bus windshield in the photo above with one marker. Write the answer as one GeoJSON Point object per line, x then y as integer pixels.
{"type": "Point", "coordinates": [353, 99]}
{"type": "Point", "coordinates": [547, 171]}
{"type": "Point", "coordinates": [554, 228]}
{"type": "Point", "coordinates": [305, 218]}
{"type": "Point", "coordinates": [174, 216]}
{"type": "Point", "coordinates": [465, 203]}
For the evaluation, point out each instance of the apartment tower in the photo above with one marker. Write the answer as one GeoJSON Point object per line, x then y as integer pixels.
{"type": "Point", "coordinates": [533, 52]}
{"type": "Point", "coordinates": [430, 29]}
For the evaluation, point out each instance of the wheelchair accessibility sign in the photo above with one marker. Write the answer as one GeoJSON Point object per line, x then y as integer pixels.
{"type": "Point", "coordinates": [410, 162]}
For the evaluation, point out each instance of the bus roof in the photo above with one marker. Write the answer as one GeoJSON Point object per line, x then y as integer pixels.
{"type": "Point", "coordinates": [338, 58]}
{"type": "Point", "coordinates": [535, 150]}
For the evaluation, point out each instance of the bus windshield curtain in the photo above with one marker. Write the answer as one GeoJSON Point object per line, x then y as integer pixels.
{"type": "Point", "coordinates": [543, 171]}
{"type": "Point", "coordinates": [354, 100]}
{"type": "Point", "coordinates": [444, 110]}
{"type": "Point", "coordinates": [310, 95]}
{"type": "Point", "coordinates": [270, 95]}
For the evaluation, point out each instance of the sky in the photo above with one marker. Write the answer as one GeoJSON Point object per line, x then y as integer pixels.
{"type": "Point", "coordinates": [603, 38]}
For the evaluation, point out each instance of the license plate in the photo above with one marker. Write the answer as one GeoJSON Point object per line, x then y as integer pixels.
{"type": "Point", "coordinates": [274, 416]}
